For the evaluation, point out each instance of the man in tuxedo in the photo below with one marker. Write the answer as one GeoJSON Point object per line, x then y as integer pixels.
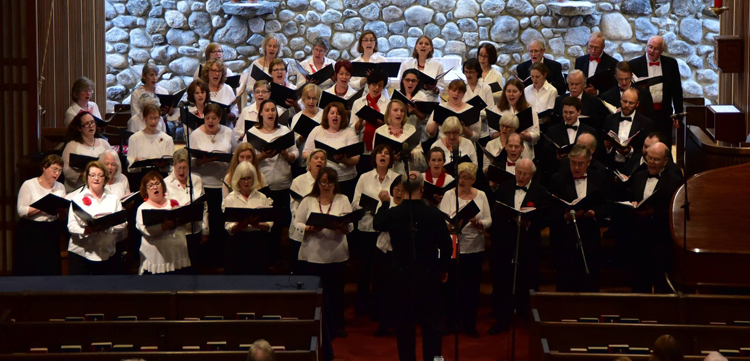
{"type": "Point", "coordinates": [625, 124]}
{"type": "Point", "coordinates": [522, 192]}
{"type": "Point", "coordinates": [624, 77]}
{"type": "Point", "coordinates": [597, 61]}
{"type": "Point", "coordinates": [587, 140]}
{"type": "Point", "coordinates": [667, 96]}
{"type": "Point", "coordinates": [536, 54]}
{"type": "Point", "coordinates": [591, 106]}
{"type": "Point", "coordinates": [418, 235]}
{"type": "Point", "coordinates": [650, 250]}
{"type": "Point", "coordinates": [591, 189]}
{"type": "Point", "coordinates": [638, 162]}
{"type": "Point", "coordinates": [563, 134]}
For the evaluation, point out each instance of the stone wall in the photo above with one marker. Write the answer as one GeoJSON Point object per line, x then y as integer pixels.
{"type": "Point", "coordinates": [175, 33]}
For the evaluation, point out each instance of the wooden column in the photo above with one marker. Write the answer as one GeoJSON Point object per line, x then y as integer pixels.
{"type": "Point", "coordinates": [734, 88]}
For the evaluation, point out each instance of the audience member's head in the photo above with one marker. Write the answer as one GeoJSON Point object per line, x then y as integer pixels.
{"type": "Point", "coordinates": [714, 356]}
{"type": "Point", "coordinates": [666, 349]}
{"type": "Point", "coordinates": [260, 351]}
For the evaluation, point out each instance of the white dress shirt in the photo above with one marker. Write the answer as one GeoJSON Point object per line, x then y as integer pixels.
{"type": "Point", "coordinates": [137, 101]}
{"type": "Point", "coordinates": [97, 246]}
{"type": "Point", "coordinates": [298, 138]}
{"type": "Point", "coordinates": [30, 192]}
{"type": "Point", "coordinates": [573, 133]}
{"type": "Point", "coordinates": [581, 185]}
{"type": "Point", "coordinates": [623, 132]}
{"type": "Point", "coordinates": [448, 178]}
{"type": "Point", "coordinates": [472, 238]}
{"type": "Point", "coordinates": [476, 128]}
{"type": "Point", "coordinates": [277, 170]}
{"type": "Point", "coordinates": [254, 200]}
{"type": "Point", "coordinates": [225, 95]}
{"type": "Point", "coordinates": [325, 246]}
{"type": "Point", "coordinates": [308, 65]}
{"type": "Point", "coordinates": [149, 146]}
{"type": "Point", "coordinates": [181, 194]}
{"type": "Point", "coordinates": [541, 99]}
{"type": "Point", "coordinates": [657, 91]}
{"type": "Point", "coordinates": [592, 67]}
{"type": "Point", "coordinates": [74, 109]}
{"type": "Point", "coordinates": [73, 178]}
{"type": "Point", "coordinates": [336, 140]}
{"type": "Point", "coordinates": [350, 92]}
{"type": "Point", "coordinates": [432, 67]}
{"type": "Point", "coordinates": [301, 185]}
{"type": "Point", "coordinates": [212, 173]}
{"type": "Point", "coordinates": [520, 195]}
{"type": "Point", "coordinates": [465, 147]}
{"type": "Point", "coordinates": [250, 112]}
{"type": "Point", "coordinates": [650, 187]}
{"type": "Point", "coordinates": [369, 184]}
{"type": "Point", "coordinates": [485, 92]}
{"type": "Point", "coordinates": [121, 186]}
{"type": "Point", "coordinates": [161, 251]}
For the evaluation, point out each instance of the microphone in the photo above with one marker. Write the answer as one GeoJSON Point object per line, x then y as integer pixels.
{"type": "Point", "coordinates": [573, 214]}
{"type": "Point", "coordinates": [405, 152]}
{"type": "Point", "coordinates": [678, 115]}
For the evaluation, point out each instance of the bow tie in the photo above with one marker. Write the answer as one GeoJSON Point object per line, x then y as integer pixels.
{"type": "Point", "coordinates": [574, 127]}
{"type": "Point", "coordinates": [511, 164]}
{"type": "Point", "coordinates": [654, 176]}
{"type": "Point", "coordinates": [525, 189]}
{"type": "Point", "coordinates": [629, 119]}
{"type": "Point", "coordinates": [577, 178]}
{"type": "Point", "coordinates": [656, 63]}
{"type": "Point", "coordinates": [591, 58]}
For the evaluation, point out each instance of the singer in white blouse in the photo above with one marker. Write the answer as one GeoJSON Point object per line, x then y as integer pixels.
{"type": "Point", "coordinates": [452, 138]}
{"type": "Point", "coordinates": [261, 93]}
{"type": "Point", "coordinates": [146, 94]}
{"type": "Point", "coordinates": [37, 247]}
{"type": "Point", "coordinates": [410, 88]}
{"type": "Point", "coordinates": [303, 185]}
{"type": "Point", "coordinates": [270, 49]}
{"type": "Point", "coordinates": [150, 143]}
{"type": "Point", "coordinates": [247, 249]}
{"type": "Point", "coordinates": [83, 89]}
{"type": "Point", "coordinates": [118, 183]}
{"type": "Point", "coordinates": [310, 98]}
{"type": "Point", "coordinates": [325, 251]}
{"type": "Point", "coordinates": [540, 94]}
{"type": "Point", "coordinates": [214, 73]}
{"type": "Point", "coordinates": [91, 248]}
{"type": "Point", "coordinates": [456, 103]}
{"type": "Point", "coordinates": [163, 246]}
{"type": "Point", "coordinates": [398, 129]}
{"type": "Point", "coordinates": [422, 54]}
{"type": "Point", "coordinates": [317, 61]}
{"type": "Point", "coordinates": [471, 242]}
{"type": "Point", "coordinates": [475, 86]}
{"type": "Point", "coordinates": [342, 76]}
{"type": "Point", "coordinates": [86, 141]}
{"type": "Point", "coordinates": [367, 46]}
{"type": "Point", "coordinates": [513, 102]}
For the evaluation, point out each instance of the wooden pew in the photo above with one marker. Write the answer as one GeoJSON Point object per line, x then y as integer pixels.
{"type": "Point", "coordinates": [557, 306]}
{"type": "Point", "coordinates": [704, 309]}
{"type": "Point", "coordinates": [562, 336]}
{"type": "Point", "coordinates": [20, 337]}
{"type": "Point", "coordinates": [574, 356]}
{"type": "Point", "coordinates": [300, 304]}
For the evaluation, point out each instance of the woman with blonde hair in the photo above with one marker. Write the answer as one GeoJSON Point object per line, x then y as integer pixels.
{"type": "Point", "coordinates": [213, 51]}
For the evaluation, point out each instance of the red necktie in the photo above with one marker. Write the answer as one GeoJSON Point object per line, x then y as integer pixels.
{"type": "Point", "coordinates": [369, 133]}
{"type": "Point", "coordinates": [653, 64]}
{"type": "Point", "coordinates": [511, 164]}
{"type": "Point", "coordinates": [591, 58]}
{"type": "Point", "coordinates": [577, 178]}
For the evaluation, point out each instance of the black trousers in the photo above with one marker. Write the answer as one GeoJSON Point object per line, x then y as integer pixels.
{"type": "Point", "coordinates": [280, 201]}
{"type": "Point", "coordinates": [383, 290]}
{"type": "Point", "coordinates": [246, 253]}
{"type": "Point", "coordinates": [37, 248]}
{"type": "Point", "coordinates": [81, 266]}
{"type": "Point", "coordinates": [465, 303]}
{"type": "Point", "coordinates": [363, 248]}
{"type": "Point", "coordinates": [332, 280]}
{"type": "Point", "coordinates": [418, 302]}
{"type": "Point", "coordinates": [295, 265]}
{"type": "Point", "coordinates": [501, 256]}
{"type": "Point", "coordinates": [212, 253]}
{"type": "Point", "coordinates": [571, 274]}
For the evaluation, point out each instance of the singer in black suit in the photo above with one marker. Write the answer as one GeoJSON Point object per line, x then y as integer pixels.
{"type": "Point", "coordinates": [627, 120]}
{"type": "Point", "coordinates": [624, 78]}
{"type": "Point", "coordinates": [592, 188]}
{"type": "Point", "coordinates": [563, 134]}
{"type": "Point", "coordinates": [536, 54]}
{"type": "Point", "coordinates": [591, 106]}
{"type": "Point", "coordinates": [668, 95]}
{"type": "Point", "coordinates": [589, 141]}
{"type": "Point", "coordinates": [650, 246]}
{"type": "Point", "coordinates": [524, 192]}
{"type": "Point", "coordinates": [596, 60]}
{"type": "Point", "coordinates": [417, 233]}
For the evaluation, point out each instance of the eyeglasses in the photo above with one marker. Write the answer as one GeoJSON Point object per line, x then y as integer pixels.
{"type": "Point", "coordinates": [96, 176]}
{"type": "Point", "coordinates": [278, 70]}
{"type": "Point", "coordinates": [326, 184]}
{"type": "Point", "coordinates": [466, 178]}
{"type": "Point", "coordinates": [181, 169]}
{"type": "Point", "coordinates": [156, 117]}
{"type": "Point", "coordinates": [215, 70]}
{"type": "Point", "coordinates": [410, 80]}
{"type": "Point", "coordinates": [152, 185]}
{"type": "Point", "coordinates": [261, 92]}
{"type": "Point", "coordinates": [89, 124]}
{"type": "Point", "coordinates": [56, 170]}
{"type": "Point", "coordinates": [653, 160]}
{"type": "Point", "coordinates": [217, 51]}
{"type": "Point", "coordinates": [246, 179]}
{"type": "Point", "coordinates": [483, 56]}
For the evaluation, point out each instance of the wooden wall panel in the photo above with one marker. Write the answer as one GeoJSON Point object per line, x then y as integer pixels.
{"type": "Point", "coordinates": [734, 88]}
{"type": "Point", "coordinates": [18, 94]}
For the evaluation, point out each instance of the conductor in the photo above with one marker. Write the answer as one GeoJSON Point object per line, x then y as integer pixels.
{"type": "Point", "coordinates": [417, 232]}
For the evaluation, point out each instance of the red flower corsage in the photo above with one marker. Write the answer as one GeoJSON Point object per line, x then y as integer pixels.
{"type": "Point", "coordinates": [161, 139]}
{"type": "Point", "coordinates": [174, 203]}
{"type": "Point", "coordinates": [530, 204]}
{"type": "Point", "coordinates": [86, 201]}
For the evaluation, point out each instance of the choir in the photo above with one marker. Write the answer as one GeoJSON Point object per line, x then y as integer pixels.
{"type": "Point", "coordinates": [497, 158]}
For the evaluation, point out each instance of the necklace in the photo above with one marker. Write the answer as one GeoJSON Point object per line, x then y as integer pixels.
{"type": "Point", "coordinates": [93, 143]}
{"type": "Point", "coordinates": [335, 90]}
{"type": "Point", "coordinates": [395, 133]}
{"type": "Point", "coordinates": [320, 207]}
{"type": "Point", "coordinates": [213, 138]}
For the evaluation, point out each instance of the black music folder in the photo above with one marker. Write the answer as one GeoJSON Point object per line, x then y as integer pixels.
{"type": "Point", "coordinates": [390, 69]}
{"type": "Point", "coordinates": [259, 74]}
{"type": "Point", "coordinates": [428, 80]}
{"type": "Point", "coordinates": [499, 175]}
{"type": "Point", "coordinates": [79, 161]}
{"type": "Point", "coordinates": [468, 117]}
{"type": "Point", "coordinates": [560, 149]}
{"type": "Point", "coordinates": [233, 81]}
{"type": "Point", "coordinates": [191, 120]}
{"type": "Point", "coordinates": [220, 157]}
{"type": "Point", "coordinates": [51, 203]}
{"type": "Point", "coordinates": [525, 120]}
{"type": "Point", "coordinates": [100, 220]}
{"type": "Point", "coordinates": [368, 203]}
{"type": "Point", "coordinates": [171, 100]}
{"type": "Point", "coordinates": [330, 221]}
{"type": "Point", "coordinates": [351, 150]}
{"type": "Point", "coordinates": [449, 168]}
{"type": "Point", "coordinates": [602, 80]}
{"type": "Point", "coordinates": [192, 212]}
{"type": "Point", "coordinates": [477, 102]}
{"type": "Point", "coordinates": [264, 214]}
{"type": "Point", "coordinates": [327, 98]}
{"type": "Point", "coordinates": [431, 190]}
{"type": "Point", "coordinates": [372, 116]}
{"type": "Point", "coordinates": [321, 75]}
{"type": "Point", "coordinates": [150, 163]}
{"type": "Point", "coordinates": [304, 125]}
{"type": "Point", "coordinates": [278, 144]}
{"type": "Point", "coordinates": [493, 119]}
{"type": "Point", "coordinates": [463, 216]}
{"type": "Point", "coordinates": [496, 87]}
{"type": "Point", "coordinates": [398, 146]}
{"type": "Point", "coordinates": [648, 82]}
{"type": "Point", "coordinates": [280, 93]}
{"type": "Point", "coordinates": [423, 106]}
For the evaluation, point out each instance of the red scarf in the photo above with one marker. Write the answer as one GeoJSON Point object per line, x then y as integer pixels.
{"type": "Point", "coordinates": [369, 127]}
{"type": "Point", "coordinates": [441, 178]}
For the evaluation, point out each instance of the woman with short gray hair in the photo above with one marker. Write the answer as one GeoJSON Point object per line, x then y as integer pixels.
{"type": "Point", "coordinates": [317, 61]}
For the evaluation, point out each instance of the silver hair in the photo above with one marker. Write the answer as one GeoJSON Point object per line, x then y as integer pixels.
{"type": "Point", "coordinates": [117, 161]}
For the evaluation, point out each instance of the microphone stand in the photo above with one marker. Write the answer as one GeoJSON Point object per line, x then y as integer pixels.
{"type": "Point", "coordinates": [686, 202]}
{"type": "Point", "coordinates": [579, 243]}
{"type": "Point", "coordinates": [190, 169]}
{"type": "Point", "coordinates": [514, 309]}
{"type": "Point", "coordinates": [454, 158]}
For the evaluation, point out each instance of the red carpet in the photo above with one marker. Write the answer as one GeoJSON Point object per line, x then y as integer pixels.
{"type": "Point", "coordinates": [361, 345]}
